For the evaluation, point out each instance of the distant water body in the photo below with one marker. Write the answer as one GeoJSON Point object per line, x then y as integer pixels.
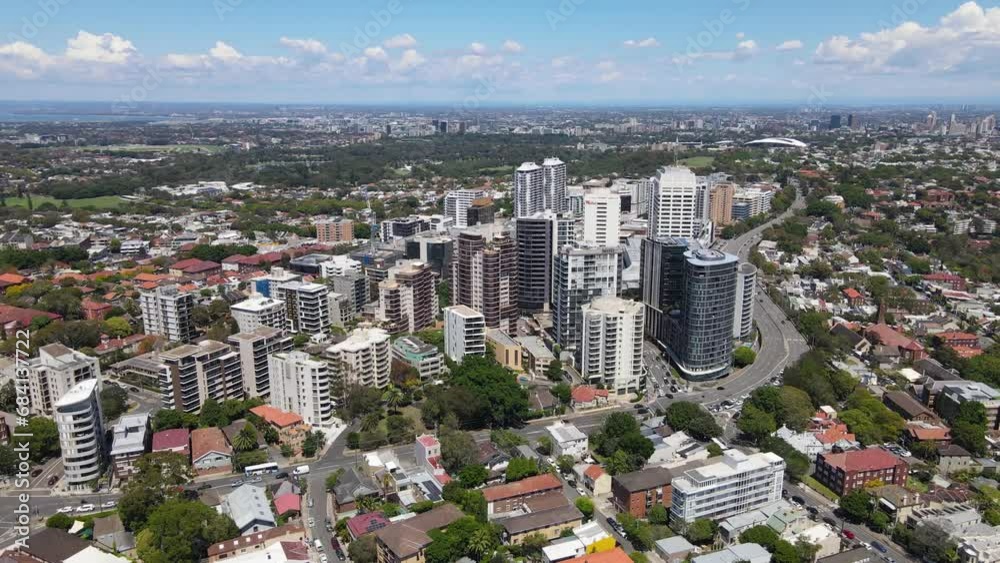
{"type": "Point", "coordinates": [69, 118]}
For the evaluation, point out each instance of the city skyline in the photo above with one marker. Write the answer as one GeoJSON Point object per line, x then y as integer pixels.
{"type": "Point", "coordinates": [721, 52]}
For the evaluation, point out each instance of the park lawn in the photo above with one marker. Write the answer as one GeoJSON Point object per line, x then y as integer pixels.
{"type": "Point", "coordinates": [102, 202]}
{"type": "Point", "coordinates": [819, 488]}
{"type": "Point", "coordinates": [697, 161]}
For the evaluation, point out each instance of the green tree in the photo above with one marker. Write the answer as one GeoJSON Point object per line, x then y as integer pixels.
{"type": "Point", "coordinates": [44, 443]}
{"type": "Point", "coordinates": [744, 356]}
{"type": "Point", "coordinates": [8, 397]}
{"type": "Point", "coordinates": [59, 521]}
{"type": "Point", "coordinates": [701, 531]}
{"type": "Point", "coordinates": [565, 464]}
{"type": "Point", "coordinates": [586, 506]}
{"type": "Point", "coordinates": [473, 475]}
{"type": "Point", "coordinates": [544, 445]}
{"type": "Point", "coordinates": [117, 327]}
{"type": "Point", "coordinates": [764, 536]}
{"type": "Point", "coordinates": [755, 423]}
{"type": "Point", "coordinates": [158, 477]}
{"type": "Point", "coordinates": [521, 468]}
{"type": "Point", "coordinates": [363, 550]}
{"type": "Point", "coordinates": [458, 449]}
{"type": "Point", "coordinates": [563, 392]}
{"type": "Point", "coordinates": [166, 419]}
{"type": "Point", "coordinates": [114, 401]}
{"type": "Point", "coordinates": [8, 460]}
{"type": "Point", "coordinates": [211, 415]}
{"type": "Point", "coordinates": [692, 418]}
{"type": "Point", "coordinates": [393, 397]}
{"type": "Point", "coordinates": [181, 530]}
{"type": "Point", "coordinates": [554, 371]}
{"type": "Point", "coordinates": [658, 514]}
{"type": "Point", "coordinates": [246, 439]}
{"type": "Point", "coordinates": [857, 505]}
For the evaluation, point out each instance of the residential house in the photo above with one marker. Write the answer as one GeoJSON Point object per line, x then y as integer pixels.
{"type": "Point", "coordinates": [567, 440]}
{"type": "Point", "coordinates": [255, 543]}
{"type": "Point", "coordinates": [587, 397]}
{"type": "Point", "coordinates": [908, 407]}
{"type": "Point", "coordinates": [406, 540]}
{"type": "Point", "coordinates": [177, 440]}
{"type": "Point", "coordinates": [845, 471]}
{"type": "Point", "coordinates": [594, 478]}
{"type": "Point", "coordinates": [367, 523]}
{"type": "Point", "coordinates": [210, 451]}
{"type": "Point", "coordinates": [510, 497]}
{"type": "Point", "coordinates": [111, 535]}
{"type": "Point", "coordinates": [548, 523]}
{"type": "Point", "coordinates": [249, 508]}
{"type": "Point", "coordinates": [952, 458]}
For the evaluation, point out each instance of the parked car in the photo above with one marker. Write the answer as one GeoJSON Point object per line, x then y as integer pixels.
{"type": "Point", "coordinates": [204, 486]}
{"type": "Point", "coordinates": [798, 500]}
{"type": "Point", "coordinates": [85, 508]}
{"type": "Point", "coordinates": [236, 483]}
{"type": "Point", "coordinates": [881, 548]}
{"type": "Point", "coordinates": [133, 389]}
{"type": "Point", "coordinates": [830, 521]}
{"type": "Point", "coordinates": [849, 534]}
{"type": "Point", "coordinates": [281, 475]}
{"type": "Point", "coordinates": [65, 510]}
{"type": "Point", "coordinates": [812, 510]}
{"type": "Point", "coordinates": [36, 472]}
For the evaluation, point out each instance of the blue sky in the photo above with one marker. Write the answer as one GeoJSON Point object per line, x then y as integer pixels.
{"type": "Point", "coordinates": [478, 53]}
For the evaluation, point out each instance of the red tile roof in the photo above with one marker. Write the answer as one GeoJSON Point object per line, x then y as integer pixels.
{"type": "Point", "coordinates": [288, 502]}
{"type": "Point", "coordinates": [871, 459]}
{"type": "Point", "coordinates": [276, 417]}
{"type": "Point", "coordinates": [616, 555]}
{"type": "Point", "coordinates": [852, 293]}
{"type": "Point", "coordinates": [22, 317]}
{"type": "Point", "coordinates": [207, 440]}
{"type": "Point", "coordinates": [366, 523]}
{"type": "Point", "coordinates": [171, 439]}
{"type": "Point", "coordinates": [594, 472]}
{"type": "Point", "coordinates": [523, 487]}
{"type": "Point", "coordinates": [587, 394]}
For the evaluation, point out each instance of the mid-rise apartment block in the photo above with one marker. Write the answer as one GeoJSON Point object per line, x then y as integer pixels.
{"type": "Point", "coordinates": [426, 359]}
{"type": "Point", "coordinates": [254, 348]}
{"type": "Point", "coordinates": [334, 232]}
{"type": "Point", "coordinates": [79, 419]}
{"type": "Point", "coordinates": [485, 278]}
{"type": "Point", "coordinates": [307, 306]}
{"type": "Point", "coordinates": [364, 358]}
{"type": "Point", "coordinates": [167, 312]}
{"type": "Point", "coordinates": [846, 471]}
{"type": "Point", "coordinates": [301, 385]}
{"type": "Point", "coordinates": [736, 484]}
{"type": "Point", "coordinates": [457, 204]}
{"type": "Point", "coordinates": [258, 311]}
{"type": "Point", "coordinates": [464, 332]}
{"type": "Point", "coordinates": [55, 371]}
{"type": "Point", "coordinates": [611, 345]}
{"type": "Point", "coordinates": [581, 275]}
{"type": "Point", "coordinates": [130, 439]}
{"type": "Point", "coordinates": [191, 374]}
{"type": "Point", "coordinates": [408, 298]}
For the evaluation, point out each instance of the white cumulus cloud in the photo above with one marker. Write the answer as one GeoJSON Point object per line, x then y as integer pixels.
{"type": "Point", "coordinates": [477, 47]}
{"type": "Point", "coordinates": [402, 41]}
{"type": "Point", "coordinates": [642, 43]}
{"type": "Point", "coordinates": [107, 48]}
{"type": "Point", "coordinates": [512, 46]}
{"type": "Point", "coordinates": [790, 45]}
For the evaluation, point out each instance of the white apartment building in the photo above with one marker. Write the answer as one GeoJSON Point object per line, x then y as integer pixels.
{"type": "Point", "coordinates": [746, 290]}
{"type": "Point", "coordinates": [737, 484]}
{"type": "Point", "coordinates": [554, 184]}
{"type": "Point", "coordinates": [363, 359]}
{"type": "Point", "coordinates": [55, 371]}
{"type": "Point", "coordinates": [580, 275]}
{"type": "Point", "coordinates": [81, 434]}
{"type": "Point", "coordinates": [456, 205]}
{"type": "Point", "coordinates": [602, 211]}
{"type": "Point", "coordinates": [193, 373]}
{"type": "Point", "coordinates": [674, 212]}
{"type": "Point", "coordinates": [167, 312]}
{"type": "Point", "coordinates": [611, 345]}
{"type": "Point", "coordinates": [756, 200]}
{"type": "Point", "coordinates": [258, 311]}
{"type": "Point", "coordinates": [253, 348]}
{"type": "Point", "coordinates": [301, 385]}
{"type": "Point", "coordinates": [339, 265]}
{"type": "Point", "coordinates": [529, 190]}
{"type": "Point", "coordinates": [464, 332]}
{"type": "Point", "coordinates": [307, 306]}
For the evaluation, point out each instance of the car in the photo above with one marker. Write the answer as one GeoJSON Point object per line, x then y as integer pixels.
{"type": "Point", "coordinates": [110, 504]}
{"type": "Point", "coordinates": [310, 502]}
{"type": "Point", "coordinates": [85, 508]}
{"type": "Point", "coordinates": [798, 500]}
{"type": "Point", "coordinates": [784, 493]}
{"type": "Point", "coordinates": [133, 389]}
{"type": "Point", "coordinates": [281, 475]}
{"type": "Point", "coordinates": [335, 544]}
{"type": "Point", "coordinates": [204, 486]}
{"type": "Point", "coordinates": [812, 510]}
{"type": "Point", "coordinates": [65, 510]}
{"type": "Point", "coordinates": [550, 461]}
{"type": "Point", "coordinates": [830, 521]}
{"type": "Point", "coordinates": [312, 522]}
{"type": "Point", "coordinates": [52, 480]}
{"type": "Point", "coordinates": [865, 545]}
{"type": "Point", "coordinates": [720, 388]}
{"type": "Point", "coordinates": [236, 483]}
{"type": "Point", "coordinates": [36, 472]}
{"type": "Point", "coordinates": [612, 522]}
{"type": "Point", "coordinates": [849, 534]}
{"type": "Point", "coordinates": [670, 395]}
{"type": "Point", "coordinates": [256, 479]}
{"type": "Point", "coordinates": [582, 492]}
{"type": "Point", "coordinates": [323, 558]}
{"type": "Point", "coordinates": [881, 548]}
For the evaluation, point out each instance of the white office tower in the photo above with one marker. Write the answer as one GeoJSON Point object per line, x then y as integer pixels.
{"type": "Point", "coordinates": [253, 348]}
{"type": "Point", "coordinates": [81, 434]}
{"type": "Point", "coordinates": [268, 285]}
{"type": "Point", "coordinates": [167, 312]}
{"type": "Point", "coordinates": [602, 213]}
{"type": "Point", "coordinates": [675, 204]}
{"type": "Point", "coordinates": [363, 359]}
{"type": "Point", "coordinates": [464, 332]}
{"type": "Point", "coordinates": [301, 385]}
{"type": "Point", "coordinates": [55, 371]}
{"type": "Point", "coordinates": [258, 311]}
{"type": "Point", "coordinates": [307, 306]}
{"type": "Point", "coordinates": [579, 276]}
{"type": "Point", "coordinates": [339, 265]}
{"type": "Point", "coordinates": [554, 180]}
{"type": "Point", "coordinates": [746, 290]}
{"type": "Point", "coordinates": [457, 203]}
{"type": "Point", "coordinates": [736, 485]}
{"type": "Point", "coordinates": [529, 190]}
{"type": "Point", "coordinates": [640, 192]}
{"type": "Point", "coordinates": [612, 344]}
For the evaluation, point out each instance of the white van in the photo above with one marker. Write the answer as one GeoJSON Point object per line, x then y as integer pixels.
{"type": "Point", "coordinates": [318, 544]}
{"type": "Point", "coordinates": [301, 470]}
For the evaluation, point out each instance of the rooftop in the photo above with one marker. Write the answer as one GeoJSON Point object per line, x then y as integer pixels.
{"type": "Point", "coordinates": [523, 487]}
{"type": "Point", "coordinates": [644, 479]}
{"type": "Point", "coordinates": [870, 459]}
{"type": "Point", "coordinates": [407, 537]}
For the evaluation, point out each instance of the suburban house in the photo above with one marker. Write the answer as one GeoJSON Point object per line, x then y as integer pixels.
{"type": "Point", "coordinates": [249, 508]}
{"type": "Point", "coordinates": [406, 540]}
{"type": "Point", "coordinates": [567, 440]}
{"type": "Point", "coordinates": [210, 452]}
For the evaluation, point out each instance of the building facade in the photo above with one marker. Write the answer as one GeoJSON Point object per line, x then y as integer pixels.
{"type": "Point", "coordinates": [301, 385]}
{"type": "Point", "coordinates": [253, 348]}
{"type": "Point", "coordinates": [457, 203]}
{"type": "Point", "coordinates": [80, 423]}
{"type": "Point", "coordinates": [194, 373]}
{"type": "Point", "coordinates": [363, 359]}
{"type": "Point", "coordinates": [464, 332]}
{"type": "Point", "coordinates": [675, 204]}
{"type": "Point", "coordinates": [601, 218]}
{"type": "Point", "coordinates": [746, 291]}
{"type": "Point", "coordinates": [334, 232]}
{"type": "Point", "coordinates": [258, 311]}
{"type": "Point", "coordinates": [408, 300]}
{"type": "Point", "coordinates": [307, 306]}
{"type": "Point", "coordinates": [737, 484]}
{"type": "Point", "coordinates": [167, 312]}
{"type": "Point", "coordinates": [611, 345]}
{"type": "Point", "coordinates": [581, 275]}
{"type": "Point", "coordinates": [55, 371]}
{"type": "Point", "coordinates": [847, 471]}
{"type": "Point", "coordinates": [485, 278]}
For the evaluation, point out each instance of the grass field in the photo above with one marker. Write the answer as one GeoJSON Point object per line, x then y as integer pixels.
{"type": "Point", "coordinates": [103, 202]}
{"type": "Point", "coordinates": [697, 161]}
{"type": "Point", "coordinates": [150, 148]}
